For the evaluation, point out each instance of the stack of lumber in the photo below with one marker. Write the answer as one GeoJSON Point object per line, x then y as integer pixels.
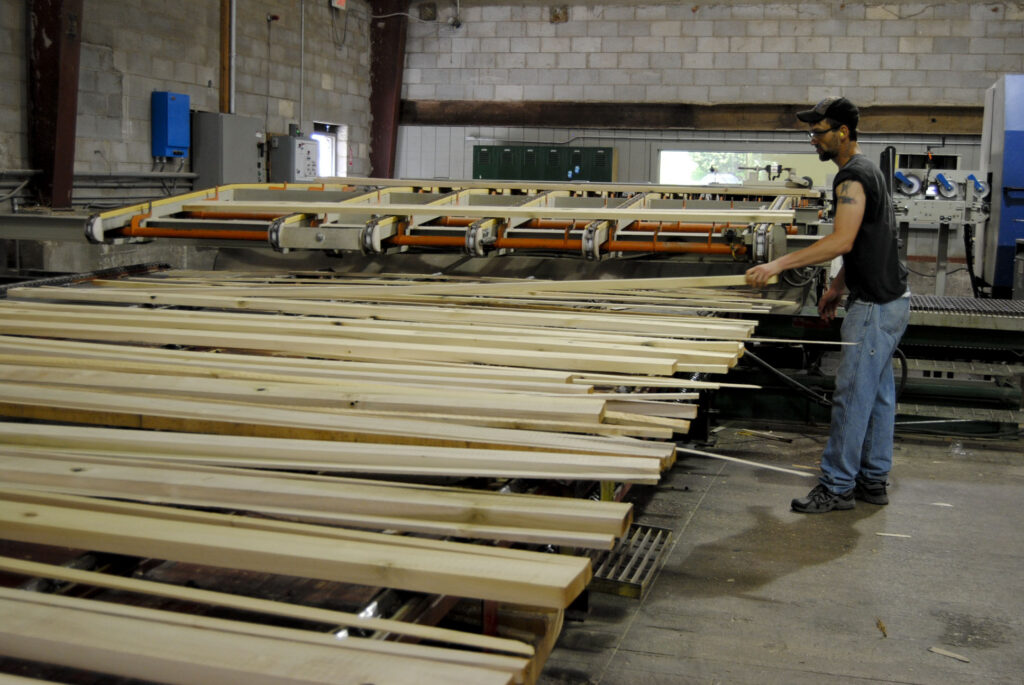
{"type": "Point", "coordinates": [235, 421]}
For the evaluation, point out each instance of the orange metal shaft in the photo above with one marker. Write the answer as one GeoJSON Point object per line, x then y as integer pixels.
{"type": "Point", "coordinates": [200, 233]}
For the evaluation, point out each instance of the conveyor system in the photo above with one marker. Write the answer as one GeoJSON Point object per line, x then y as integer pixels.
{"type": "Point", "coordinates": [377, 216]}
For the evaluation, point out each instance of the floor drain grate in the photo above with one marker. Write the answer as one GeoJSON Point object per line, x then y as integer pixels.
{"type": "Point", "coordinates": [628, 569]}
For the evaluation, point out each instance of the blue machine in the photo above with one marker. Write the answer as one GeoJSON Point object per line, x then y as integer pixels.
{"type": "Point", "coordinates": [170, 122]}
{"type": "Point", "coordinates": [1003, 140]}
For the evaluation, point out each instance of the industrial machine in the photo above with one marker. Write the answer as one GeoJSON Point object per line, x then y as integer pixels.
{"type": "Point", "coordinates": [377, 217]}
{"type": "Point", "coordinates": [1001, 143]}
{"type": "Point", "coordinates": [941, 200]}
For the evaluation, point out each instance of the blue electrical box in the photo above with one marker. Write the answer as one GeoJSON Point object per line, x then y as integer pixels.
{"type": "Point", "coordinates": [170, 124]}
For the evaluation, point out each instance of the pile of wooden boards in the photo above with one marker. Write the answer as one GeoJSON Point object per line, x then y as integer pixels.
{"type": "Point", "coordinates": [236, 420]}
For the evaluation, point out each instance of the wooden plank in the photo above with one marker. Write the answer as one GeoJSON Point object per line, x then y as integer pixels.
{"type": "Point", "coordinates": [482, 212]}
{"type": "Point", "coordinates": [518, 287]}
{"type": "Point", "coordinates": [303, 530]}
{"type": "Point", "coordinates": [39, 307]}
{"type": "Point", "coordinates": [360, 503]}
{"type": "Point", "coordinates": [673, 410]}
{"type": "Point", "coordinates": [556, 342]}
{"type": "Point", "coordinates": [340, 457]}
{"type": "Point", "coordinates": [613, 380]}
{"type": "Point", "coordinates": [448, 184]}
{"type": "Point", "coordinates": [297, 369]}
{"type": "Point", "coordinates": [562, 340]}
{"type": "Point", "coordinates": [715, 329]}
{"type": "Point", "coordinates": [340, 378]}
{"type": "Point", "coordinates": [191, 650]}
{"type": "Point", "coordinates": [323, 398]}
{"type": "Point", "coordinates": [677, 425]}
{"type": "Point", "coordinates": [262, 606]}
{"type": "Point", "coordinates": [451, 571]}
{"type": "Point", "coordinates": [359, 350]}
{"type": "Point", "coordinates": [184, 443]}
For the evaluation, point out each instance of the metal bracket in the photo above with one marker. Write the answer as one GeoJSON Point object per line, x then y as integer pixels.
{"type": "Point", "coordinates": [274, 233]}
{"type": "Point", "coordinates": [372, 236]}
{"type": "Point", "coordinates": [94, 229]}
{"type": "Point", "coordinates": [760, 246]}
{"type": "Point", "coordinates": [479, 236]}
{"type": "Point", "coordinates": [368, 241]}
{"type": "Point", "coordinates": [594, 235]}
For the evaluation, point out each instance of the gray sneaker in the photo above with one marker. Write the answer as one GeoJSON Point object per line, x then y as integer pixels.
{"type": "Point", "coordinates": [871, 491]}
{"type": "Point", "coordinates": [821, 499]}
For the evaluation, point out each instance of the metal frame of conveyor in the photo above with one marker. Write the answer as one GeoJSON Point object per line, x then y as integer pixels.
{"type": "Point", "coordinates": [477, 218]}
{"type": "Point", "coordinates": [941, 200]}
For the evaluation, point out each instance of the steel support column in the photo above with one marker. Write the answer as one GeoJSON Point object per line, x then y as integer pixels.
{"type": "Point", "coordinates": [226, 19]}
{"type": "Point", "coordinates": [387, 59]}
{"type": "Point", "coordinates": [54, 48]}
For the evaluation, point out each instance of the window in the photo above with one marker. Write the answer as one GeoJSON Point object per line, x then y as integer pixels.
{"type": "Point", "coordinates": [683, 167]}
{"type": "Point", "coordinates": [333, 153]}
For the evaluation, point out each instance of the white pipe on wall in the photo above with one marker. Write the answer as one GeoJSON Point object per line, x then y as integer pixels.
{"type": "Point", "coordinates": [302, 58]}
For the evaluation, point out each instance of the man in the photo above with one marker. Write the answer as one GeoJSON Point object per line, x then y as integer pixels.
{"type": "Point", "coordinates": [856, 461]}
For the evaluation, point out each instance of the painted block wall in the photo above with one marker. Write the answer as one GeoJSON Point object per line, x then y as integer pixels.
{"type": "Point", "coordinates": [733, 51]}
{"type": "Point", "coordinates": [14, 103]}
{"type": "Point", "coordinates": [133, 47]}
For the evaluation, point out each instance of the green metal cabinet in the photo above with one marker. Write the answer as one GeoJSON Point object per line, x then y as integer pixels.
{"type": "Point", "coordinates": [544, 163]}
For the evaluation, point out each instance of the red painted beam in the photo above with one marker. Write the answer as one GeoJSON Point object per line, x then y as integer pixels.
{"type": "Point", "coordinates": [387, 60]}
{"type": "Point", "coordinates": [54, 48]}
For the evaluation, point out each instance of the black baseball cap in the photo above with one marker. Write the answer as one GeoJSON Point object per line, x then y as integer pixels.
{"type": "Point", "coordinates": [838, 109]}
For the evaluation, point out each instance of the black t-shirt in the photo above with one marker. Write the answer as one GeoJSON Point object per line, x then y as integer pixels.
{"type": "Point", "coordinates": [874, 272]}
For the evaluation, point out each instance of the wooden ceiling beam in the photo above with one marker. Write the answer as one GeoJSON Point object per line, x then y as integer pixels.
{"type": "Point", "coordinates": [944, 120]}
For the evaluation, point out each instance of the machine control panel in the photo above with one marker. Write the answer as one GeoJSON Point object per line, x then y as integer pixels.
{"type": "Point", "coordinates": [293, 159]}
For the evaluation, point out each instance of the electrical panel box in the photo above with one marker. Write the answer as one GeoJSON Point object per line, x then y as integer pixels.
{"type": "Point", "coordinates": [170, 124]}
{"type": "Point", "coordinates": [543, 163]}
{"type": "Point", "coordinates": [293, 159]}
{"type": "Point", "coordinates": [227, 148]}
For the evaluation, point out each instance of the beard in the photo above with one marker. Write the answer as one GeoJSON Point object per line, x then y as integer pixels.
{"type": "Point", "coordinates": [826, 155]}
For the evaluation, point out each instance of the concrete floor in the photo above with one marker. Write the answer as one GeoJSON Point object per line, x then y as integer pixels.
{"type": "Point", "coordinates": [754, 593]}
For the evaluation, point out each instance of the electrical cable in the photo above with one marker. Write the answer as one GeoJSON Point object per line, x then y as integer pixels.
{"type": "Point", "coordinates": [14, 192]}
{"type": "Point", "coordinates": [401, 14]}
{"type": "Point", "coordinates": [818, 397]}
{"type": "Point", "coordinates": [923, 275]}
{"type": "Point", "coordinates": [338, 45]}
{"type": "Point", "coordinates": [904, 370]}
{"type": "Point", "coordinates": [801, 276]}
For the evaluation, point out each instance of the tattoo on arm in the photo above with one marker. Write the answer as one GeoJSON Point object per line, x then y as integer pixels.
{"type": "Point", "coordinates": [842, 196]}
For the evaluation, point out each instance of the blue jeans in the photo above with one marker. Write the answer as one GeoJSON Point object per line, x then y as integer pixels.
{"type": "Point", "coordinates": [864, 403]}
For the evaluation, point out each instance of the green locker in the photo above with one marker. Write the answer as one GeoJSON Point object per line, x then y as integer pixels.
{"type": "Point", "coordinates": [554, 164]}
{"type": "Point", "coordinates": [575, 170]}
{"type": "Point", "coordinates": [485, 162]}
{"type": "Point", "coordinates": [599, 163]}
{"type": "Point", "coordinates": [533, 163]}
{"type": "Point", "coordinates": [510, 162]}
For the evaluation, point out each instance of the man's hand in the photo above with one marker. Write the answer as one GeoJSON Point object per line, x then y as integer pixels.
{"type": "Point", "coordinates": [758, 276]}
{"type": "Point", "coordinates": [828, 304]}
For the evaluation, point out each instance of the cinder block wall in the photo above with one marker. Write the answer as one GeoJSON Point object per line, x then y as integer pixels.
{"type": "Point", "coordinates": [13, 104]}
{"type": "Point", "coordinates": [733, 51]}
{"type": "Point", "coordinates": [131, 48]}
